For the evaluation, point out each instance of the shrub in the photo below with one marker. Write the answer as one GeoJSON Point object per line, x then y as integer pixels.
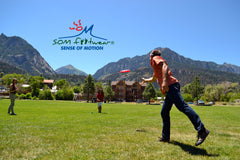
{"type": "Point", "coordinates": [24, 96]}
{"type": "Point", "coordinates": [41, 95]}
{"type": "Point", "coordinates": [35, 98]}
{"type": "Point", "coordinates": [65, 94]}
{"type": "Point", "coordinates": [187, 97]}
{"type": "Point", "coordinates": [59, 95]}
{"type": "Point", "coordinates": [21, 96]}
{"type": "Point", "coordinates": [28, 96]}
{"type": "Point", "coordinates": [46, 95]}
{"type": "Point", "coordinates": [76, 89]}
{"type": "Point", "coordinates": [68, 94]}
{"type": "Point", "coordinates": [224, 98]}
{"type": "Point", "coordinates": [35, 92]}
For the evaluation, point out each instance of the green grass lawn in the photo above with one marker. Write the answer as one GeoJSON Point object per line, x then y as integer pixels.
{"type": "Point", "coordinates": [69, 130]}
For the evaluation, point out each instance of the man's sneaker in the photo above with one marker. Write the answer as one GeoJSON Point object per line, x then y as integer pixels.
{"type": "Point", "coordinates": [160, 139]}
{"type": "Point", "coordinates": [202, 136]}
{"type": "Point", "coordinates": [13, 114]}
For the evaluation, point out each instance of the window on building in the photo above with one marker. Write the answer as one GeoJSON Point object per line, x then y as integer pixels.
{"type": "Point", "coordinates": [121, 88]}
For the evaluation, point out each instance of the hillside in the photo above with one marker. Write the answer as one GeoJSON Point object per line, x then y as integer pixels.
{"type": "Point", "coordinates": [69, 69]}
{"type": "Point", "coordinates": [16, 51]}
{"type": "Point", "coordinates": [184, 76]}
{"type": "Point", "coordinates": [173, 60]}
{"type": "Point", "coordinates": [184, 69]}
{"type": "Point", "coordinates": [9, 69]}
{"type": "Point", "coordinates": [125, 63]}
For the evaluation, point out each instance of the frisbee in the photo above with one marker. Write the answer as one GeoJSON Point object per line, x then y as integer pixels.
{"type": "Point", "coordinates": [124, 71]}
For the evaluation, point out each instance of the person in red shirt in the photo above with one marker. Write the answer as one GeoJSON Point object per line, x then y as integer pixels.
{"type": "Point", "coordinates": [170, 86]}
{"type": "Point", "coordinates": [100, 96]}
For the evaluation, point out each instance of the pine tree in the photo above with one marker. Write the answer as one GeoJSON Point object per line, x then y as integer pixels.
{"type": "Point", "coordinates": [89, 86]}
{"type": "Point", "coordinates": [196, 88]}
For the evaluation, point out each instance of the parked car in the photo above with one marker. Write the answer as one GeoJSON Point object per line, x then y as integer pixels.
{"type": "Point", "coordinates": [94, 100]}
{"type": "Point", "coordinates": [211, 103]}
{"type": "Point", "coordinates": [200, 103]}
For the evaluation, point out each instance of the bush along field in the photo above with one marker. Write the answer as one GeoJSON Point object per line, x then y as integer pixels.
{"type": "Point", "coordinates": [74, 130]}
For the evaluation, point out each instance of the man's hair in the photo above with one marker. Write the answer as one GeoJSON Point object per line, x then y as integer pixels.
{"type": "Point", "coordinates": [100, 90]}
{"type": "Point", "coordinates": [14, 79]}
{"type": "Point", "coordinates": [155, 53]}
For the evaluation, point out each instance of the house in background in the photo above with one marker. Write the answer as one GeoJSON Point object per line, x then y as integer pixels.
{"type": "Point", "coordinates": [48, 82]}
{"type": "Point", "coordinates": [129, 91]}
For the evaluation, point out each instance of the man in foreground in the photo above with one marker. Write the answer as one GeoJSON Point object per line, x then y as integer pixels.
{"type": "Point", "coordinates": [170, 86]}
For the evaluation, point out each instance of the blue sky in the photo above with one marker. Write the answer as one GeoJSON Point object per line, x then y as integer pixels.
{"type": "Point", "coordinates": [207, 30]}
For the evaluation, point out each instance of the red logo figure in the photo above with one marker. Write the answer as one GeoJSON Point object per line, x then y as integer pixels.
{"type": "Point", "coordinates": [78, 28]}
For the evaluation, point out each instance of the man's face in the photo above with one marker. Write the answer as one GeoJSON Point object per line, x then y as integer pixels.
{"type": "Point", "coordinates": [151, 57]}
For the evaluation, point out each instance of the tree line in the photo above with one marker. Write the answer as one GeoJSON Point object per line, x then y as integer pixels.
{"type": "Point", "coordinates": [38, 90]}
{"type": "Point", "coordinates": [194, 91]}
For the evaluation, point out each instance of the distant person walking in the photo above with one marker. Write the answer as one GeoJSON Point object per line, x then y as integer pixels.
{"type": "Point", "coordinates": [170, 86]}
{"type": "Point", "coordinates": [12, 95]}
{"type": "Point", "coordinates": [100, 96]}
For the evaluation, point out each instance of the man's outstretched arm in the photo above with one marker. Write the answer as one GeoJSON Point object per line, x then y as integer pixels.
{"type": "Point", "coordinates": [149, 80]}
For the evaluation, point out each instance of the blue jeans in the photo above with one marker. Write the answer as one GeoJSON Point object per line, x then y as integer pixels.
{"type": "Point", "coordinates": [173, 96]}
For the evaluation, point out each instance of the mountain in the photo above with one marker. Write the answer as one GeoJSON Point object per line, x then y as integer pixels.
{"type": "Point", "coordinates": [16, 51]}
{"type": "Point", "coordinates": [69, 69]}
{"type": "Point", "coordinates": [125, 63]}
{"type": "Point", "coordinates": [9, 69]}
{"type": "Point", "coordinates": [184, 69]}
{"type": "Point", "coordinates": [174, 59]}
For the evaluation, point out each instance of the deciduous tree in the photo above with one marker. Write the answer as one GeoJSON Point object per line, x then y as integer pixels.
{"type": "Point", "coordinates": [149, 92]}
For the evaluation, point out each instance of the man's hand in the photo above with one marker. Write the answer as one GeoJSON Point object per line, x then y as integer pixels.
{"type": "Point", "coordinates": [143, 81]}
